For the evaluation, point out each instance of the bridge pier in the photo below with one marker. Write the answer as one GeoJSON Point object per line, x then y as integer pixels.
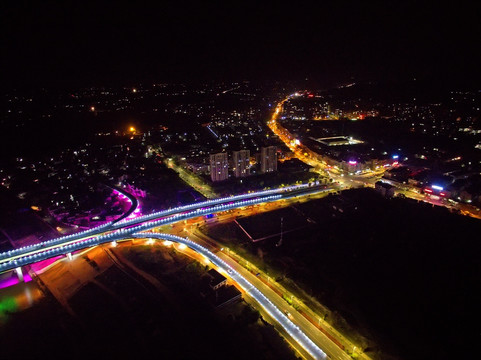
{"type": "Point", "coordinates": [69, 256]}
{"type": "Point", "coordinates": [113, 243]}
{"type": "Point", "coordinates": [19, 274]}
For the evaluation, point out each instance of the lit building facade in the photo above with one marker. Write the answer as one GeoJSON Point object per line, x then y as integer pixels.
{"type": "Point", "coordinates": [219, 167]}
{"type": "Point", "coordinates": [268, 159]}
{"type": "Point", "coordinates": [241, 163]}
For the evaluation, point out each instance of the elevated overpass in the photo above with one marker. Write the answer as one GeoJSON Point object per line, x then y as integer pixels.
{"type": "Point", "coordinates": [114, 231]}
{"type": "Point", "coordinates": [139, 228]}
{"type": "Point", "coordinates": [292, 329]}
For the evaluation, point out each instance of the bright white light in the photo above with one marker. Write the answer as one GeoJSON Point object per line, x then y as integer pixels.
{"type": "Point", "coordinates": [437, 187]}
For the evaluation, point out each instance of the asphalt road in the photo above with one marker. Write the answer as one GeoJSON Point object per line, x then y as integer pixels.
{"type": "Point", "coordinates": [317, 336]}
{"type": "Point", "coordinates": [268, 301]}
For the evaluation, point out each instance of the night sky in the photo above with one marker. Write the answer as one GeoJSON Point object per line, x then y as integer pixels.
{"type": "Point", "coordinates": [67, 43]}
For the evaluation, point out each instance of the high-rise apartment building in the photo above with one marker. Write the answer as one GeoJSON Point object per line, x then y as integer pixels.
{"type": "Point", "coordinates": [219, 167]}
{"type": "Point", "coordinates": [268, 159]}
{"type": "Point", "coordinates": [241, 163]}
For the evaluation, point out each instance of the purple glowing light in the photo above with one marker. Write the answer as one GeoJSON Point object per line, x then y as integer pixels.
{"type": "Point", "coordinates": [14, 281]}
{"type": "Point", "coordinates": [352, 162]}
{"type": "Point", "coordinates": [39, 266]}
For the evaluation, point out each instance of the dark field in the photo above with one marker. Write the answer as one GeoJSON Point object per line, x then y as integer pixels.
{"type": "Point", "coordinates": [269, 224]}
{"type": "Point", "coordinates": [404, 275]}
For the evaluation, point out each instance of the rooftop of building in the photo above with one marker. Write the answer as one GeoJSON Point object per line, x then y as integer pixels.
{"type": "Point", "coordinates": [384, 185]}
{"type": "Point", "coordinates": [216, 277]}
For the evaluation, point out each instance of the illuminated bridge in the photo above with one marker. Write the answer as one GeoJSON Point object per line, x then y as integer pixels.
{"type": "Point", "coordinates": [137, 227]}
{"type": "Point", "coordinates": [292, 329]}
{"type": "Point", "coordinates": [114, 231]}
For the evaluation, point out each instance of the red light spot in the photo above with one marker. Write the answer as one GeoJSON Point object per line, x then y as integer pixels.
{"type": "Point", "coordinates": [310, 95]}
{"type": "Point", "coordinates": [428, 190]}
